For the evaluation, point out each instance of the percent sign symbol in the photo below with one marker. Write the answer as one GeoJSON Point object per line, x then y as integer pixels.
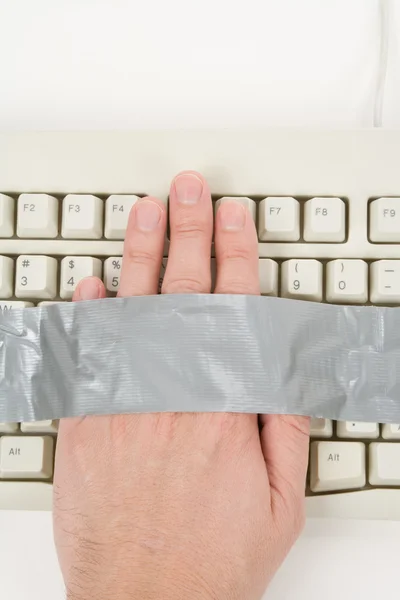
{"type": "Point", "coordinates": [116, 264]}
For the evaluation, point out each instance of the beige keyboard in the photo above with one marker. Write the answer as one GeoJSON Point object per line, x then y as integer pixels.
{"type": "Point", "coordinates": [327, 211]}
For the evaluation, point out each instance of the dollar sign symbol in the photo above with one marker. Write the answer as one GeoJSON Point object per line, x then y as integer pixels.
{"type": "Point", "coordinates": [71, 264]}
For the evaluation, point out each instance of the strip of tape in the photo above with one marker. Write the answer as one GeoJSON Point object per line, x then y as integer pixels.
{"type": "Point", "coordinates": [206, 353]}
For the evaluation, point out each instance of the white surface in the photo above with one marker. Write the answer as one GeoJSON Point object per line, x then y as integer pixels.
{"type": "Point", "coordinates": [128, 63]}
{"type": "Point", "coordinates": [333, 559]}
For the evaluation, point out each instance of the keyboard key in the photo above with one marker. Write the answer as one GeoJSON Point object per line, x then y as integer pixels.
{"type": "Point", "coordinates": [384, 464]}
{"type": "Point", "coordinates": [6, 216]}
{"type": "Point", "coordinates": [118, 208]}
{"type": "Point", "coordinates": [26, 457]}
{"type": "Point", "coordinates": [384, 216]}
{"type": "Point", "coordinates": [268, 272]}
{"type": "Point", "coordinates": [40, 427]}
{"type": "Point", "coordinates": [74, 269]}
{"type": "Point", "coordinates": [324, 220]}
{"type": "Point", "coordinates": [385, 282]}
{"type": "Point", "coordinates": [337, 466]}
{"type": "Point", "coordinates": [49, 302]}
{"type": "Point", "coordinates": [302, 279]}
{"type": "Point", "coordinates": [321, 428]}
{"type": "Point", "coordinates": [5, 306]}
{"type": "Point", "coordinates": [112, 273]}
{"type": "Point", "coordinates": [347, 281]}
{"type": "Point", "coordinates": [37, 216]}
{"type": "Point", "coordinates": [247, 202]}
{"type": "Point", "coordinates": [82, 217]}
{"type": "Point", "coordinates": [6, 277]}
{"type": "Point", "coordinates": [391, 431]}
{"type": "Point", "coordinates": [8, 427]}
{"type": "Point", "coordinates": [36, 277]}
{"type": "Point", "coordinates": [26, 495]}
{"type": "Point", "coordinates": [279, 219]}
{"type": "Point", "coordinates": [347, 429]}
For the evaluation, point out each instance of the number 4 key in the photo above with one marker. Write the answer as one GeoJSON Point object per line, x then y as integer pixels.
{"type": "Point", "coordinates": [74, 269]}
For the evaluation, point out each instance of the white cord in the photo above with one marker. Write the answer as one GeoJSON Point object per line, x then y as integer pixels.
{"type": "Point", "coordinates": [383, 62]}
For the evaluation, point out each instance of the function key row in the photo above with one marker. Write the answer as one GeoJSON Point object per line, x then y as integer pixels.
{"type": "Point", "coordinates": [83, 216]}
{"type": "Point", "coordinates": [279, 218]}
{"type": "Point", "coordinates": [87, 217]}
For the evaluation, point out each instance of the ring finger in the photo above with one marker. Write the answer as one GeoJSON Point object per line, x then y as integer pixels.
{"type": "Point", "coordinates": [236, 250]}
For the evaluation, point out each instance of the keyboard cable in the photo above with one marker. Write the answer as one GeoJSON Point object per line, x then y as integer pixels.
{"type": "Point", "coordinates": [384, 25]}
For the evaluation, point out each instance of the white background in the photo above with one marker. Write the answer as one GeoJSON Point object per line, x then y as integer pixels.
{"type": "Point", "coordinates": [96, 64]}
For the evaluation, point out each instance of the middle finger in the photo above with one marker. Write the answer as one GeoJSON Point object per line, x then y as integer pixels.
{"type": "Point", "coordinates": [191, 220]}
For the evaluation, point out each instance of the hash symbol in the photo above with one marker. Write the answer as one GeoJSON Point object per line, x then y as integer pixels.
{"type": "Point", "coordinates": [25, 263]}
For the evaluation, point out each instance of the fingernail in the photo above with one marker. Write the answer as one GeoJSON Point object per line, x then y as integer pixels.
{"type": "Point", "coordinates": [189, 188]}
{"type": "Point", "coordinates": [89, 289]}
{"type": "Point", "coordinates": [232, 216]}
{"type": "Point", "coordinates": [148, 215]}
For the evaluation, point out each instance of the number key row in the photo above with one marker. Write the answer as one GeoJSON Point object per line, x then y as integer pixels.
{"type": "Point", "coordinates": [347, 281]}
{"type": "Point", "coordinates": [37, 276]}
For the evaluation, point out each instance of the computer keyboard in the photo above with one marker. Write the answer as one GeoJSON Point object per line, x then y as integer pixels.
{"type": "Point", "coordinates": [327, 211]}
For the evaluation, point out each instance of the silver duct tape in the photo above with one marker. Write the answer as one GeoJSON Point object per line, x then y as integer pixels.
{"type": "Point", "coordinates": [207, 353]}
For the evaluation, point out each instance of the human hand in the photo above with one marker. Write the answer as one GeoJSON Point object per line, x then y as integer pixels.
{"type": "Point", "coordinates": [179, 506]}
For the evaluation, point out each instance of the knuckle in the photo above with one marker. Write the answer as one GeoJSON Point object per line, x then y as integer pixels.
{"type": "Point", "coordinates": [190, 285]}
{"type": "Point", "coordinates": [189, 227]}
{"type": "Point", "coordinates": [141, 257]}
{"type": "Point", "coordinates": [238, 253]}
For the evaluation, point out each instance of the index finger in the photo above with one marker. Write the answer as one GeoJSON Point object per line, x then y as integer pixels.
{"type": "Point", "coordinates": [143, 248]}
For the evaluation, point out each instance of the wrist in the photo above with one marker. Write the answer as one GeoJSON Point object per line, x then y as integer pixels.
{"type": "Point", "coordinates": [152, 588]}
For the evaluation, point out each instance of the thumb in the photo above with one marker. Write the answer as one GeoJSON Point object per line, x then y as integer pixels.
{"type": "Point", "coordinates": [285, 445]}
{"type": "Point", "coordinates": [90, 288]}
